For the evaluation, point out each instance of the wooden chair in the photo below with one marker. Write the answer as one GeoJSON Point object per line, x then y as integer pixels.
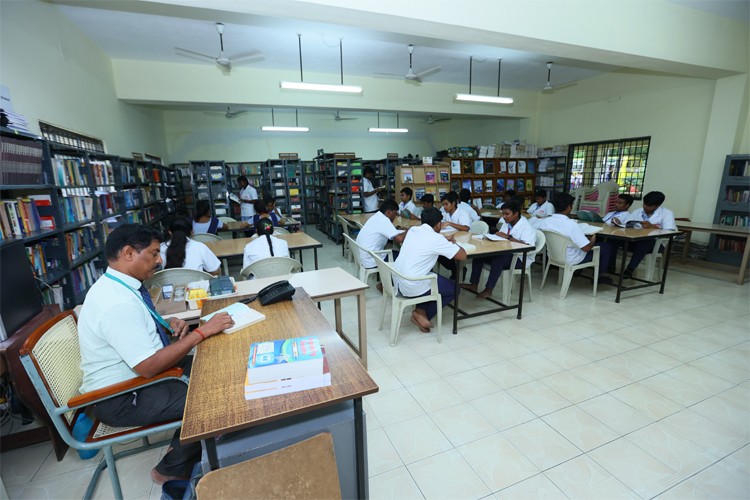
{"type": "Point", "coordinates": [557, 246]}
{"type": "Point", "coordinates": [176, 276]}
{"type": "Point", "coordinates": [51, 356]}
{"type": "Point", "coordinates": [205, 237]}
{"type": "Point", "coordinates": [398, 301]}
{"type": "Point", "coordinates": [362, 272]}
{"type": "Point", "coordinates": [271, 266]}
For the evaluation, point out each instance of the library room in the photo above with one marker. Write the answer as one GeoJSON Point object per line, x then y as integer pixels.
{"type": "Point", "coordinates": [428, 250]}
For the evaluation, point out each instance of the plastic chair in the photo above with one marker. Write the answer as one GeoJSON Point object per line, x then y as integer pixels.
{"type": "Point", "coordinates": [271, 266]}
{"type": "Point", "coordinates": [479, 227]}
{"type": "Point", "coordinates": [280, 230]}
{"type": "Point", "coordinates": [557, 245]}
{"type": "Point", "coordinates": [655, 257]}
{"type": "Point", "coordinates": [363, 273]}
{"type": "Point", "coordinates": [225, 219]}
{"type": "Point", "coordinates": [398, 301]}
{"type": "Point", "coordinates": [346, 229]}
{"type": "Point", "coordinates": [509, 275]}
{"type": "Point", "coordinates": [205, 237]}
{"type": "Point", "coordinates": [176, 276]}
{"type": "Point", "coordinates": [51, 357]}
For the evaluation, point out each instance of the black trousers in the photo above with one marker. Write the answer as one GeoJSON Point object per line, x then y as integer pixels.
{"type": "Point", "coordinates": [154, 404]}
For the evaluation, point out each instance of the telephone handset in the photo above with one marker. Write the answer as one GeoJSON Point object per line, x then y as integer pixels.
{"type": "Point", "coordinates": [276, 292]}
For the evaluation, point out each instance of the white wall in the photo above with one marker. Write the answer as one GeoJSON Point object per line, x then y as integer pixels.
{"type": "Point", "coordinates": [57, 75]}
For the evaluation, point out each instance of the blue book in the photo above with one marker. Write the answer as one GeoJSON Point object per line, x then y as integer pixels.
{"type": "Point", "coordinates": [283, 359]}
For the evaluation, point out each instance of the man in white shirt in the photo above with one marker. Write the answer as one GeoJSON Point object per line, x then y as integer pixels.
{"type": "Point", "coordinates": [542, 207]}
{"type": "Point", "coordinates": [248, 197]}
{"type": "Point", "coordinates": [377, 231]}
{"type": "Point", "coordinates": [421, 248]}
{"type": "Point", "coordinates": [506, 198]}
{"type": "Point", "coordinates": [652, 215]}
{"type": "Point", "coordinates": [122, 337]}
{"type": "Point", "coordinates": [407, 208]}
{"type": "Point", "coordinates": [454, 219]}
{"type": "Point", "coordinates": [620, 215]}
{"type": "Point", "coordinates": [369, 191]}
{"type": "Point", "coordinates": [465, 204]}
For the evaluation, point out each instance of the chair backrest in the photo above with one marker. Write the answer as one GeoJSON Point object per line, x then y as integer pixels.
{"type": "Point", "coordinates": [386, 272]}
{"type": "Point", "coordinates": [557, 247]}
{"type": "Point", "coordinates": [599, 198]}
{"type": "Point", "coordinates": [272, 266]}
{"type": "Point", "coordinates": [176, 276]}
{"type": "Point", "coordinates": [205, 237]}
{"type": "Point", "coordinates": [355, 250]}
{"type": "Point", "coordinates": [225, 219]}
{"type": "Point", "coordinates": [541, 240]}
{"type": "Point", "coordinates": [479, 227]}
{"type": "Point", "coordinates": [344, 224]}
{"type": "Point", "coordinates": [280, 230]}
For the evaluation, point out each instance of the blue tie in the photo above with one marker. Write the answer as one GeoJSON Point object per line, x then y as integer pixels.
{"type": "Point", "coordinates": [159, 329]}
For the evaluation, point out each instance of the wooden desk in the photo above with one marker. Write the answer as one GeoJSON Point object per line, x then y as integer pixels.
{"type": "Point", "coordinates": [487, 248]}
{"type": "Point", "coordinates": [216, 403]}
{"type": "Point", "coordinates": [742, 232]}
{"type": "Point", "coordinates": [324, 284]}
{"type": "Point", "coordinates": [398, 221]}
{"type": "Point", "coordinates": [231, 248]}
{"type": "Point", "coordinates": [239, 226]}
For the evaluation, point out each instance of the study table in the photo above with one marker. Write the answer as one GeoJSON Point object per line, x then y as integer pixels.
{"type": "Point", "coordinates": [399, 221]}
{"type": "Point", "coordinates": [721, 229]}
{"type": "Point", "coordinates": [216, 404]}
{"type": "Point", "coordinates": [224, 249]}
{"type": "Point", "coordinates": [241, 226]}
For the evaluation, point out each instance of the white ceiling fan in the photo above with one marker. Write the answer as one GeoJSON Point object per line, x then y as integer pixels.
{"type": "Point", "coordinates": [548, 87]}
{"type": "Point", "coordinates": [229, 114]}
{"type": "Point", "coordinates": [223, 61]}
{"type": "Point", "coordinates": [411, 76]}
{"type": "Point", "coordinates": [339, 118]}
{"type": "Point", "coordinates": [431, 120]}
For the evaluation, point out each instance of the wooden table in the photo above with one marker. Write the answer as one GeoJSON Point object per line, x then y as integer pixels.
{"type": "Point", "coordinates": [324, 284]}
{"type": "Point", "coordinates": [224, 249]}
{"type": "Point", "coordinates": [487, 248]}
{"type": "Point", "coordinates": [742, 232]}
{"type": "Point", "coordinates": [241, 226]}
{"type": "Point", "coordinates": [216, 403]}
{"type": "Point", "coordinates": [398, 221]}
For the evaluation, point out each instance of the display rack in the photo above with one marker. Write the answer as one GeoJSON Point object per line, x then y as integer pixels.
{"type": "Point", "coordinates": [423, 179]}
{"type": "Point", "coordinates": [489, 178]}
{"type": "Point", "coordinates": [732, 209]}
{"type": "Point", "coordinates": [342, 190]}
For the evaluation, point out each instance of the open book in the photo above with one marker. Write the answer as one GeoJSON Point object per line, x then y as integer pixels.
{"type": "Point", "coordinates": [241, 314]}
{"type": "Point", "coordinates": [588, 229]}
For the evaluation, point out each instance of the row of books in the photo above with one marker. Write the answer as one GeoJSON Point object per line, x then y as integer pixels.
{"type": "Point", "coordinates": [77, 208]}
{"type": "Point", "coordinates": [739, 169]}
{"type": "Point", "coordinates": [81, 242]}
{"type": "Point", "coordinates": [24, 216]}
{"type": "Point", "coordinates": [69, 172]}
{"type": "Point", "coordinates": [424, 176]}
{"type": "Point", "coordinates": [46, 256]}
{"type": "Point", "coordinates": [20, 162]}
{"type": "Point", "coordinates": [436, 192]}
{"type": "Point", "coordinates": [730, 245]}
{"type": "Point", "coordinates": [484, 167]}
{"type": "Point", "coordinates": [502, 185]}
{"type": "Point", "coordinates": [735, 220]}
{"type": "Point", "coordinates": [84, 276]}
{"type": "Point", "coordinates": [13, 120]}
{"type": "Point", "coordinates": [103, 172]}
{"type": "Point", "coordinates": [737, 195]}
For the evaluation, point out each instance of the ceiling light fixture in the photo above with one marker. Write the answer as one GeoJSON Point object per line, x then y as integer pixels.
{"type": "Point", "coordinates": [321, 87]}
{"type": "Point", "coordinates": [484, 98]}
{"type": "Point", "coordinates": [397, 130]}
{"type": "Point", "coordinates": [274, 128]}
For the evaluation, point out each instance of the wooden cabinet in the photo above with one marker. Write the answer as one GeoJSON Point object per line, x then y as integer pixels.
{"type": "Point", "coordinates": [489, 179]}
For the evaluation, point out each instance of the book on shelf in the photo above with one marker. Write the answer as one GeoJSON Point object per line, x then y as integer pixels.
{"type": "Point", "coordinates": [455, 166]}
{"type": "Point", "coordinates": [543, 165]}
{"type": "Point", "coordinates": [429, 176]}
{"type": "Point", "coordinates": [500, 186]}
{"type": "Point", "coordinates": [488, 186]}
{"type": "Point", "coordinates": [442, 192]}
{"type": "Point", "coordinates": [503, 167]}
{"type": "Point", "coordinates": [429, 190]}
{"type": "Point", "coordinates": [242, 315]}
{"type": "Point", "coordinates": [520, 186]}
{"type": "Point", "coordinates": [287, 384]}
{"type": "Point", "coordinates": [521, 166]}
{"type": "Point", "coordinates": [510, 184]}
{"type": "Point", "coordinates": [478, 166]}
{"type": "Point", "coordinates": [444, 176]}
{"type": "Point", "coordinates": [489, 167]}
{"type": "Point", "coordinates": [419, 192]}
{"type": "Point", "coordinates": [512, 167]}
{"type": "Point", "coordinates": [529, 185]}
{"type": "Point", "coordinates": [466, 184]}
{"type": "Point", "coordinates": [478, 186]}
{"type": "Point", "coordinates": [407, 176]}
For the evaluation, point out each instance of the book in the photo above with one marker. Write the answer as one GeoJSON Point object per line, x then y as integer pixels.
{"type": "Point", "coordinates": [444, 176]}
{"type": "Point", "coordinates": [521, 167]}
{"type": "Point", "coordinates": [500, 186]}
{"type": "Point", "coordinates": [512, 167]}
{"type": "Point", "coordinates": [503, 167]}
{"type": "Point", "coordinates": [284, 359]}
{"type": "Point", "coordinates": [478, 186]}
{"type": "Point", "coordinates": [519, 186]}
{"type": "Point", "coordinates": [285, 385]}
{"type": "Point", "coordinates": [241, 314]}
{"type": "Point", "coordinates": [455, 166]}
{"type": "Point", "coordinates": [407, 176]}
{"type": "Point", "coordinates": [529, 185]}
{"type": "Point", "coordinates": [478, 166]}
{"type": "Point", "coordinates": [429, 176]}
{"type": "Point", "coordinates": [488, 186]}
{"type": "Point", "coordinates": [466, 184]}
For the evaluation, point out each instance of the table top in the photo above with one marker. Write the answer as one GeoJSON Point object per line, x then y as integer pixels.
{"type": "Point", "coordinates": [244, 225]}
{"type": "Point", "coordinates": [229, 248]}
{"type": "Point", "coordinates": [398, 221]}
{"type": "Point", "coordinates": [216, 402]}
{"type": "Point", "coordinates": [488, 247]}
{"type": "Point", "coordinates": [631, 232]}
{"type": "Point", "coordinates": [715, 228]}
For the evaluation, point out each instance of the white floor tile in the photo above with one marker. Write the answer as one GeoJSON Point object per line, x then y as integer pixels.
{"type": "Point", "coordinates": [447, 476]}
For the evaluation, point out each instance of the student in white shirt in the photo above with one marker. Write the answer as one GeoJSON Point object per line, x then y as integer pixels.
{"type": "Point", "coordinates": [203, 222]}
{"type": "Point", "coordinates": [248, 195]}
{"type": "Point", "coordinates": [652, 215]}
{"type": "Point", "coordinates": [369, 191]}
{"type": "Point", "coordinates": [620, 215]}
{"type": "Point", "coordinates": [406, 204]}
{"type": "Point", "coordinates": [515, 228]}
{"type": "Point", "coordinates": [508, 195]}
{"type": "Point", "coordinates": [454, 219]}
{"type": "Point", "coordinates": [421, 248]}
{"type": "Point", "coordinates": [464, 195]}
{"type": "Point", "coordinates": [182, 252]}
{"type": "Point", "coordinates": [377, 231]}
{"type": "Point", "coordinates": [541, 208]}
{"type": "Point", "coordinates": [265, 245]}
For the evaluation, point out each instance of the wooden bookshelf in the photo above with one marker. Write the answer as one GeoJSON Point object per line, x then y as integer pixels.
{"type": "Point", "coordinates": [423, 179]}
{"type": "Point", "coordinates": [489, 178]}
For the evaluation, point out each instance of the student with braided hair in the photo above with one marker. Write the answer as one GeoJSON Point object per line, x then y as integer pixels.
{"type": "Point", "coordinates": [265, 245]}
{"type": "Point", "coordinates": [181, 251]}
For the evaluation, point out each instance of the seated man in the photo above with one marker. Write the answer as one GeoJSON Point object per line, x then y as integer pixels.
{"type": "Point", "coordinates": [506, 198]}
{"type": "Point", "coordinates": [421, 248]}
{"type": "Point", "coordinates": [473, 212]}
{"type": "Point", "coordinates": [541, 207]}
{"type": "Point", "coordinates": [122, 336]}
{"type": "Point", "coordinates": [377, 231]}
{"type": "Point", "coordinates": [652, 215]}
{"type": "Point", "coordinates": [620, 215]}
{"type": "Point", "coordinates": [406, 208]}
{"type": "Point", "coordinates": [454, 219]}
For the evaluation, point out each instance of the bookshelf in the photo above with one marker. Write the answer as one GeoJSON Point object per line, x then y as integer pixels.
{"type": "Point", "coordinates": [489, 178]}
{"type": "Point", "coordinates": [732, 209]}
{"type": "Point", "coordinates": [423, 179]}
{"type": "Point", "coordinates": [341, 190]}
{"type": "Point", "coordinates": [313, 185]}
{"type": "Point", "coordinates": [284, 183]}
{"type": "Point", "coordinates": [551, 175]}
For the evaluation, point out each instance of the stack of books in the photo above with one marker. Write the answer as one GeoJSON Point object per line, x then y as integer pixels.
{"type": "Point", "coordinates": [283, 366]}
{"type": "Point", "coordinates": [13, 121]}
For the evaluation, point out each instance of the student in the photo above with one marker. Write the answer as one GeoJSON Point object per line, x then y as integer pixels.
{"type": "Point", "coordinates": [581, 251]}
{"type": "Point", "coordinates": [120, 339]}
{"type": "Point", "coordinates": [508, 195]}
{"type": "Point", "coordinates": [406, 203]}
{"type": "Point", "coordinates": [515, 228]}
{"type": "Point", "coordinates": [465, 196]}
{"type": "Point", "coordinates": [421, 248]}
{"type": "Point", "coordinates": [454, 217]}
{"type": "Point", "coordinates": [248, 196]}
{"type": "Point", "coordinates": [377, 231]}
{"type": "Point", "coordinates": [369, 191]}
{"type": "Point", "coordinates": [652, 215]}
{"type": "Point", "coordinates": [203, 222]}
{"type": "Point", "coordinates": [542, 207]}
{"type": "Point", "coordinates": [266, 208]}
{"type": "Point", "coordinates": [265, 245]}
{"type": "Point", "coordinates": [620, 215]}
{"type": "Point", "coordinates": [427, 201]}
{"type": "Point", "coordinates": [182, 252]}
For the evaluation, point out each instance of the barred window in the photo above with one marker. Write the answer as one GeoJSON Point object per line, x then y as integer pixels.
{"type": "Point", "coordinates": [622, 161]}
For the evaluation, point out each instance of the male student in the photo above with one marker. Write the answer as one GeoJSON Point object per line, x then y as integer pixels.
{"type": "Point", "coordinates": [652, 215]}
{"type": "Point", "coordinates": [541, 207]}
{"type": "Point", "coordinates": [465, 196]}
{"type": "Point", "coordinates": [506, 198]}
{"type": "Point", "coordinates": [406, 203]}
{"type": "Point", "coordinates": [369, 191]}
{"type": "Point", "coordinates": [248, 196]}
{"type": "Point", "coordinates": [454, 219]}
{"type": "Point", "coordinates": [421, 248]}
{"type": "Point", "coordinates": [581, 251]}
{"type": "Point", "coordinates": [377, 231]}
{"type": "Point", "coordinates": [620, 215]}
{"type": "Point", "coordinates": [122, 337]}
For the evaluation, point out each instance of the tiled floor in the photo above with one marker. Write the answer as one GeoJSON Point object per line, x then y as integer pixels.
{"type": "Point", "coordinates": [583, 398]}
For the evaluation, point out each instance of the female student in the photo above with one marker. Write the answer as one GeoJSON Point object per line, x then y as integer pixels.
{"type": "Point", "coordinates": [266, 209]}
{"type": "Point", "coordinates": [514, 228]}
{"type": "Point", "coordinates": [181, 251]}
{"type": "Point", "coordinates": [264, 245]}
{"type": "Point", "coordinates": [203, 221]}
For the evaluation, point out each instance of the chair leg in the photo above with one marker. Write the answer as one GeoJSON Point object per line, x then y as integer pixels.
{"type": "Point", "coordinates": [596, 276]}
{"type": "Point", "coordinates": [396, 313]}
{"type": "Point", "coordinates": [507, 279]}
{"type": "Point", "coordinates": [544, 275]}
{"type": "Point", "coordinates": [382, 314]}
{"type": "Point", "coordinates": [567, 277]}
{"type": "Point", "coordinates": [528, 277]}
{"type": "Point", "coordinates": [439, 321]}
{"type": "Point", "coordinates": [112, 469]}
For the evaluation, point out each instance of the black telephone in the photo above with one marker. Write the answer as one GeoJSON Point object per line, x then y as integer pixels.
{"type": "Point", "coordinates": [276, 292]}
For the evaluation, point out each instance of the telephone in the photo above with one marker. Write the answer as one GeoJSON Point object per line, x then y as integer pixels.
{"type": "Point", "coordinates": [276, 292]}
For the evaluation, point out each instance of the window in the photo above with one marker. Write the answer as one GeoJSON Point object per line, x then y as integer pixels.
{"type": "Point", "coordinates": [69, 138]}
{"type": "Point", "coordinates": [622, 161]}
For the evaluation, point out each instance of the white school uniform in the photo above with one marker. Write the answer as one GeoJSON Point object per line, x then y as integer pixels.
{"type": "Point", "coordinates": [197, 256]}
{"type": "Point", "coordinates": [458, 217]}
{"type": "Point", "coordinates": [566, 226]}
{"type": "Point", "coordinates": [202, 227]}
{"type": "Point", "coordinates": [373, 236]}
{"type": "Point", "coordinates": [662, 217]}
{"type": "Point", "coordinates": [419, 252]}
{"type": "Point", "coordinates": [258, 249]}
{"type": "Point", "coordinates": [473, 215]}
{"type": "Point", "coordinates": [544, 210]}
{"type": "Point", "coordinates": [409, 205]}
{"type": "Point", "coordinates": [371, 202]}
{"type": "Point", "coordinates": [523, 231]}
{"type": "Point", "coordinates": [623, 216]}
{"type": "Point", "coordinates": [248, 209]}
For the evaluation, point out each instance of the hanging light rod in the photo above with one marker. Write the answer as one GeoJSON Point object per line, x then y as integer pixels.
{"type": "Point", "coordinates": [274, 128]}
{"type": "Point", "coordinates": [321, 87]}
{"type": "Point", "coordinates": [397, 130]}
{"type": "Point", "coordinates": [484, 98]}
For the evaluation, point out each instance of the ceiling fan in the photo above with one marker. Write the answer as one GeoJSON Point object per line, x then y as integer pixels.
{"type": "Point", "coordinates": [411, 76]}
{"type": "Point", "coordinates": [339, 118]}
{"type": "Point", "coordinates": [548, 87]}
{"type": "Point", "coordinates": [431, 120]}
{"type": "Point", "coordinates": [229, 113]}
{"type": "Point", "coordinates": [223, 61]}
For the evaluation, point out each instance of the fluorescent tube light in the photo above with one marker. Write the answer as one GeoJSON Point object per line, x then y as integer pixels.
{"type": "Point", "coordinates": [322, 87]}
{"type": "Point", "coordinates": [388, 130]}
{"type": "Point", "coordinates": [269, 128]}
{"type": "Point", "coordinates": [484, 98]}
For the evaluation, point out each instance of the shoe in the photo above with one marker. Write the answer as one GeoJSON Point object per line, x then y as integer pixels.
{"type": "Point", "coordinates": [628, 273]}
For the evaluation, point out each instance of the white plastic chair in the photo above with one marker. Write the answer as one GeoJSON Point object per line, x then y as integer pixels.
{"type": "Point", "coordinates": [280, 230]}
{"type": "Point", "coordinates": [225, 219]}
{"type": "Point", "coordinates": [271, 266]}
{"type": "Point", "coordinates": [205, 237]}
{"type": "Point", "coordinates": [363, 273]}
{"type": "Point", "coordinates": [509, 275]}
{"type": "Point", "coordinates": [346, 251]}
{"type": "Point", "coordinates": [557, 246]}
{"type": "Point", "coordinates": [176, 276]}
{"type": "Point", "coordinates": [479, 227]}
{"type": "Point", "coordinates": [398, 301]}
{"type": "Point", "coordinates": [655, 257]}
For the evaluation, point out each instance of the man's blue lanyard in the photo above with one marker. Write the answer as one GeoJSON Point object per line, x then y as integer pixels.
{"type": "Point", "coordinates": [153, 313]}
